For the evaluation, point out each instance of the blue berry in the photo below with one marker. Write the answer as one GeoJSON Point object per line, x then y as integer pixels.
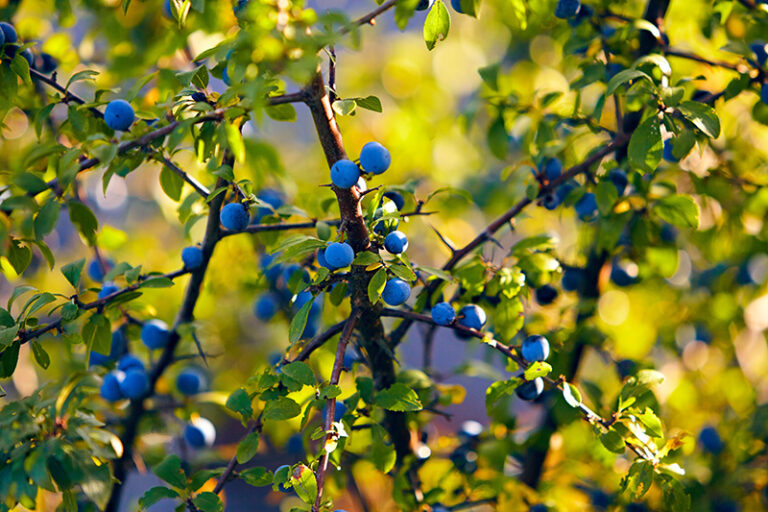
{"type": "Point", "coordinates": [95, 272]}
{"type": "Point", "coordinates": [190, 381]}
{"type": "Point", "coordinates": [395, 197]}
{"type": "Point", "coordinates": [339, 255]}
{"type": "Point", "coordinates": [119, 115]}
{"type": "Point", "coordinates": [396, 242]}
{"type": "Point", "coordinates": [107, 290]}
{"type": "Point", "coordinates": [234, 217]}
{"type": "Point", "coordinates": [110, 388]}
{"type": "Point", "coordinates": [117, 348]}
{"type": "Point", "coordinates": [128, 362]}
{"type": "Point", "coordinates": [155, 334]}
{"type": "Point", "coordinates": [424, 5]}
{"type": "Point", "coordinates": [199, 97]}
{"type": "Point", "coordinates": [443, 313]}
{"type": "Point", "coordinates": [135, 384]}
{"type": "Point", "coordinates": [192, 257]}
{"type": "Point", "coordinates": [272, 270]}
{"type": "Point", "coordinates": [619, 179]}
{"type": "Point", "coordinates": [760, 52]}
{"type": "Point", "coordinates": [535, 348]}
{"type": "Point", "coordinates": [764, 93]}
{"type": "Point", "coordinates": [586, 207]}
{"type": "Point", "coordinates": [710, 440]}
{"type": "Point", "coordinates": [345, 173]}
{"type": "Point", "coordinates": [567, 8]}
{"type": "Point", "coordinates": [573, 279]}
{"type": "Point", "coordinates": [375, 158]}
{"type": "Point", "coordinates": [200, 433]}
{"type": "Point", "coordinates": [322, 261]}
{"type": "Point", "coordinates": [552, 168]}
{"type": "Point", "coordinates": [266, 307]}
{"type": "Point", "coordinates": [550, 201]}
{"type": "Point", "coordinates": [396, 292]}
{"type": "Point", "coordinates": [667, 154]}
{"type": "Point", "coordinates": [472, 316]}
{"type": "Point", "coordinates": [456, 4]}
{"type": "Point", "coordinates": [9, 33]}
{"type": "Point", "coordinates": [274, 198]}
{"type": "Point", "coordinates": [530, 390]}
{"type": "Point", "coordinates": [621, 276]}
{"type": "Point", "coordinates": [29, 57]}
{"type": "Point", "coordinates": [546, 294]}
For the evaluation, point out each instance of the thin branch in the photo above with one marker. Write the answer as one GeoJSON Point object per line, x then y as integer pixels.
{"type": "Point", "coordinates": [199, 187]}
{"type": "Point", "coordinates": [369, 19]}
{"type": "Point", "coordinates": [292, 97]}
{"type": "Point", "coordinates": [691, 56]}
{"type": "Point", "coordinates": [232, 464]}
{"type": "Point", "coordinates": [25, 336]}
{"type": "Point", "coordinates": [184, 316]}
{"type": "Point", "coordinates": [510, 352]}
{"type": "Point", "coordinates": [330, 409]}
{"type": "Point", "coordinates": [318, 341]}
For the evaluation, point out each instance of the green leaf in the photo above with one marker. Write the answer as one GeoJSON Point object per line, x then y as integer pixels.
{"type": "Point", "coordinates": [9, 359]}
{"type": "Point", "coordinates": [639, 479]}
{"type": "Point", "coordinates": [398, 397]}
{"type": "Point", "coordinates": [330, 392]}
{"type": "Point", "coordinates": [537, 369]}
{"type": "Point", "coordinates": [41, 356]}
{"type": "Point", "coordinates": [498, 138]}
{"type": "Point", "coordinates": [702, 116]}
{"type": "Point", "coordinates": [403, 272]}
{"type": "Point", "coordinates": [86, 222]}
{"type": "Point", "coordinates": [171, 183]}
{"type": "Point", "coordinates": [344, 107]}
{"type": "Point", "coordinates": [19, 256]}
{"type": "Point", "coordinates": [7, 335]}
{"type": "Point", "coordinates": [20, 66]}
{"type": "Point", "coordinates": [240, 402]}
{"type": "Point", "coordinates": [376, 285]}
{"type": "Point", "coordinates": [169, 470]}
{"type": "Point", "coordinates": [247, 448]}
{"type": "Point", "coordinates": [646, 146]}
{"type": "Point", "coordinates": [623, 77]}
{"type": "Point", "coordinates": [304, 484]}
{"type": "Point", "coordinates": [208, 502]}
{"type": "Point", "coordinates": [301, 372]}
{"type": "Point", "coordinates": [651, 421]}
{"type": "Point", "coordinates": [257, 477]}
{"type": "Point", "coordinates": [97, 334]}
{"type": "Point", "coordinates": [156, 494]}
{"type": "Point", "coordinates": [281, 408]}
{"type": "Point", "coordinates": [366, 258]}
{"type": "Point", "coordinates": [46, 219]}
{"type": "Point", "coordinates": [369, 103]}
{"type": "Point", "coordinates": [683, 144]}
{"type": "Point", "coordinates": [679, 210]}
{"type": "Point", "coordinates": [235, 141]}
{"type": "Point", "coordinates": [157, 282]}
{"type": "Point", "coordinates": [299, 322]}
{"type": "Point", "coordinates": [571, 395]}
{"type": "Point", "coordinates": [613, 441]}
{"type": "Point", "coordinates": [87, 74]}
{"type": "Point", "coordinates": [606, 196]}
{"type": "Point", "coordinates": [284, 112]}
{"type": "Point", "coordinates": [437, 25]}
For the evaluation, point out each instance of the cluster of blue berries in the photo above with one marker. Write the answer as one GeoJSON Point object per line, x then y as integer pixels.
{"type": "Point", "coordinates": [374, 159]}
{"type": "Point", "coordinates": [129, 380]}
{"type": "Point", "coordinates": [9, 41]}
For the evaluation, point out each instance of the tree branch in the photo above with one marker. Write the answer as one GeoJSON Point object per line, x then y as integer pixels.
{"type": "Point", "coordinates": [330, 409]}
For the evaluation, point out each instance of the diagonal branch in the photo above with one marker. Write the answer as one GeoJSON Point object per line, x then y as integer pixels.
{"type": "Point", "coordinates": [330, 409]}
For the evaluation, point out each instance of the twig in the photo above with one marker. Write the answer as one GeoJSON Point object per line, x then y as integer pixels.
{"type": "Point", "coordinates": [232, 464]}
{"type": "Point", "coordinates": [318, 341]}
{"type": "Point", "coordinates": [330, 409]}
{"type": "Point", "coordinates": [371, 16]}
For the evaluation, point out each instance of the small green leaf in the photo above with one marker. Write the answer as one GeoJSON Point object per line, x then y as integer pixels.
{"type": "Point", "coordinates": [156, 494]}
{"type": "Point", "coordinates": [304, 484]}
{"type": "Point", "coordinates": [86, 222]}
{"type": "Point", "coordinates": [41, 356]}
{"type": "Point", "coordinates": [235, 140]}
{"type": "Point", "coordinates": [257, 477]}
{"type": "Point", "coordinates": [623, 77]}
{"type": "Point", "coordinates": [299, 322]}
{"type": "Point", "coordinates": [639, 479]}
{"type": "Point", "coordinates": [571, 395]}
{"type": "Point", "coordinates": [437, 25]}
{"type": "Point", "coordinates": [301, 372]}
{"type": "Point", "coordinates": [606, 196]}
{"type": "Point", "coordinates": [376, 285]}
{"type": "Point", "coordinates": [171, 183]}
{"type": "Point", "coordinates": [344, 107]}
{"type": "Point", "coordinates": [281, 408]}
{"type": "Point", "coordinates": [169, 470]}
{"type": "Point", "coordinates": [702, 116]}
{"type": "Point", "coordinates": [613, 441]}
{"type": "Point", "coordinates": [46, 219]}
{"type": "Point", "coordinates": [369, 103]}
{"type": "Point", "coordinates": [240, 402]}
{"type": "Point", "coordinates": [398, 397]}
{"type": "Point", "coordinates": [645, 146]}
{"type": "Point", "coordinates": [208, 502]}
{"type": "Point", "coordinates": [366, 258]}
{"type": "Point", "coordinates": [247, 448]}
{"type": "Point", "coordinates": [537, 369]}
{"type": "Point", "coordinates": [679, 210]}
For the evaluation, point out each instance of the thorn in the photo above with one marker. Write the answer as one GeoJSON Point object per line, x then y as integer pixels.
{"type": "Point", "coordinates": [445, 241]}
{"type": "Point", "coordinates": [199, 348]}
